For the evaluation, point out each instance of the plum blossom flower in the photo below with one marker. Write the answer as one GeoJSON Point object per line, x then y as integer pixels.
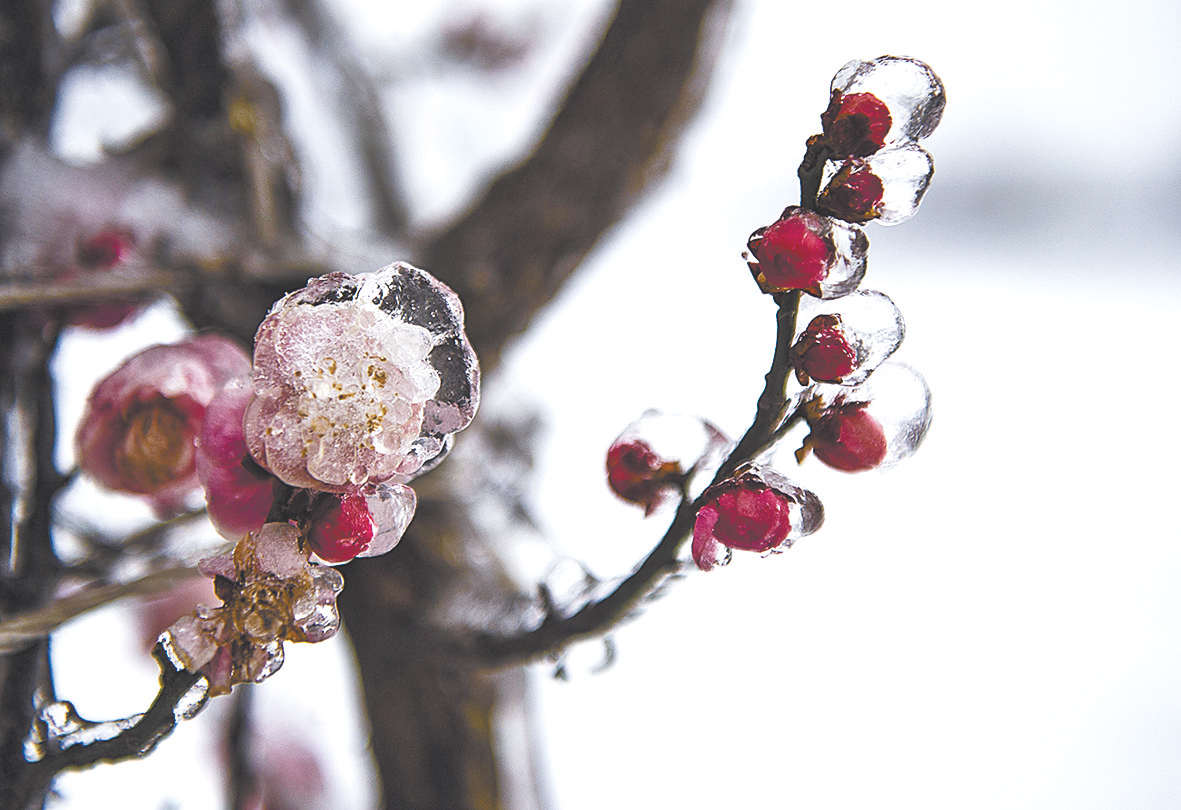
{"type": "Point", "coordinates": [360, 380]}
{"type": "Point", "coordinates": [757, 509]}
{"type": "Point", "coordinates": [139, 428]}
{"type": "Point", "coordinates": [270, 594]}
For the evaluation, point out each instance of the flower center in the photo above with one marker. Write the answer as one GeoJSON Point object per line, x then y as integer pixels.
{"type": "Point", "coordinates": [157, 447]}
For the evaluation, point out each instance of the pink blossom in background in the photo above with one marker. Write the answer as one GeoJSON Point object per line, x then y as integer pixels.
{"type": "Point", "coordinates": [139, 429]}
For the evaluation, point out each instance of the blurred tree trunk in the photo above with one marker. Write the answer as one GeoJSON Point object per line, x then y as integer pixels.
{"type": "Point", "coordinates": [430, 709]}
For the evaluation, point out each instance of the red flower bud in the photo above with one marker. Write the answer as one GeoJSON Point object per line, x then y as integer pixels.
{"type": "Point", "coordinates": [756, 510]}
{"type": "Point", "coordinates": [792, 253]}
{"type": "Point", "coordinates": [847, 438]}
{"type": "Point", "coordinates": [854, 194]}
{"type": "Point", "coordinates": [636, 474]}
{"type": "Point", "coordinates": [855, 124]}
{"type": "Point", "coordinates": [341, 527]}
{"type": "Point", "coordinates": [823, 352]}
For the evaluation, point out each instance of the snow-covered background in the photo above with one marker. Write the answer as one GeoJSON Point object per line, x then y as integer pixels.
{"type": "Point", "coordinates": [996, 621]}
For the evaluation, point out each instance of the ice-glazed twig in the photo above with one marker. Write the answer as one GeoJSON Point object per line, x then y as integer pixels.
{"type": "Point", "coordinates": [595, 617]}
{"type": "Point", "coordinates": [60, 739]}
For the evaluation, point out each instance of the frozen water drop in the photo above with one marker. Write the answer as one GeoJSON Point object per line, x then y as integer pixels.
{"type": "Point", "coordinates": [870, 323]}
{"type": "Point", "coordinates": [909, 88]}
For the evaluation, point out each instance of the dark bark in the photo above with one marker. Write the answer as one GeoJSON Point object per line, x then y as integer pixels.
{"type": "Point", "coordinates": [430, 704]}
{"type": "Point", "coordinates": [507, 257]}
{"type": "Point", "coordinates": [611, 138]}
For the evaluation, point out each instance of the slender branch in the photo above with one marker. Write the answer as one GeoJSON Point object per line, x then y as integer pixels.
{"type": "Point", "coordinates": [180, 697]}
{"type": "Point", "coordinates": [596, 616]}
{"type": "Point", "coordinates": [18, 632]}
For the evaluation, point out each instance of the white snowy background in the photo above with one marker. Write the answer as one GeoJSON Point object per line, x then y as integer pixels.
{"type": "Point", "coordinates": [996, 622]}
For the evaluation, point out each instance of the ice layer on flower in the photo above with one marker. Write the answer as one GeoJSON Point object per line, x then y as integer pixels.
{"type": "Point", "coordinates": [360, 379]}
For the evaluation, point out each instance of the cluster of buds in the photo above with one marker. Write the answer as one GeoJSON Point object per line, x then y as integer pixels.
{"type": "Point", "coordinates": [304, 453]}
{"type": "Point", "coordinates": [862, 413]}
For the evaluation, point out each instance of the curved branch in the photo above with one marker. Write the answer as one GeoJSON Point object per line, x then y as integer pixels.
{"type": "Point", "coordinates": [598, 616]}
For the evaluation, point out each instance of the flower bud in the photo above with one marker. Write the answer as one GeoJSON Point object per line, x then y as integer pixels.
{"type": "Point", "coordinates": [636, 474]}
{"type": "Point", "coordinates": [340, 528]}
{"type": "Point", "coordinates": [803, 250]}
{"type": "Point", "coordinates": [823, 352]}
{"type": "Point", "coordinates": [855, 124]}
{"type": "Point", "coordinates": [757, 509]}
{"type": "Point", "coordinates": [848, 438]}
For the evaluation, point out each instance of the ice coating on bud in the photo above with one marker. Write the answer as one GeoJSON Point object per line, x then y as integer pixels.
{"type": "Point", "coordinates": [872, 425]}
{"type": "Point", "coordinates": [823, 352]}
{"type": "Point", "coordinates": [855, 124]}
{"type": "Point", "coordinates": [340, 528]}
{"type": "Point", "coordinates": [636, 474]}
{"type": "Point", "coordinates": [757, 509]}
{"type": "Point", "coordinates": [360, 379]}
{"type": "Point", "coordinates": [803, 250]}
{"type": "Point", "coordinates": [656, 455]}
{"type": "Point", "coordinates": [270, 594]}
{"type": "Point", "coordinates": [392, 508]}
{"type": "Point", "coordinates": [909, 89]}
{"type": "Point", "coordinates": [886, 187]}
{"type": "Point", "coordinates": [847, 338]}
{"type": "Point", "coordinates": [140, 425]}
{"type": "Point", "coordinates": [848, 438]}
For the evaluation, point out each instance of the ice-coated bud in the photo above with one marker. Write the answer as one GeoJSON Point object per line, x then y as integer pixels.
{"type": "Point", "coordinates": [238, 492]}
{"type": "Point", "coordinates": [907, 88]}
{"type": "Point", "coordinates": [340, 527]}
{"type": "Point", "coordinates": [872, 425]}
{"type": "Point", "coordinates": [656, 456]}
{"type": "Point", "coordinates": [823, 352]}
{"type": "Point", "coordinates": [140, 424]}
{"type": "Point", "coordinates": [886, 187]}
{"type": "Point", "coordinates": [803, 250]}
{"type": "Point", "coordinates": [847, 338]}
{"type": "Point", "coordinates": [360, 379]}
{"type": "Point", "coordinates": [636, 474]}
{"type": "Point", "coordinates": [853, 195]}
{"type": "Point", "coordinates": [848, 438]}
{"type": "Point", "coordinates": [855, 124]}
{"type": "Point", "coordinates": [757, 509]}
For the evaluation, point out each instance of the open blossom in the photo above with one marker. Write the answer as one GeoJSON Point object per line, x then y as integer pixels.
{"type": "Point", "coordinates": [360, 380]}
{"type": "Point", "coordinates": [270, 594]}
{"type": "Point", "coordinates": [141, 422]}
{"type": "Point", "coordinates": [757, 509]}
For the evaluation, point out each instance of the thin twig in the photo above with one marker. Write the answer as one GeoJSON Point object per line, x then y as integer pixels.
{"type": "Point", "coordinates": [597, 616]}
